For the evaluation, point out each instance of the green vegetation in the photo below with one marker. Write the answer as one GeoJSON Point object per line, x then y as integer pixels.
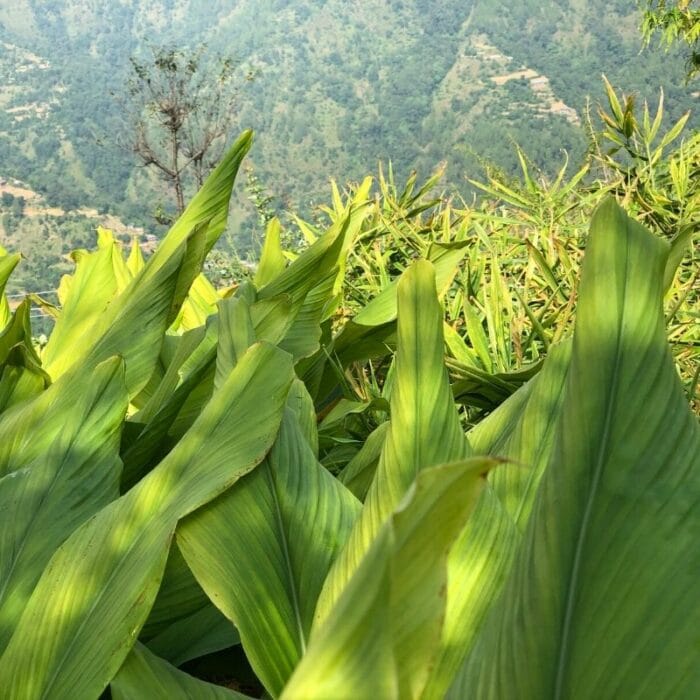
{"type": "Point", "coordinates": [333, 474]}
{"type": "Point", "coordinates": [405, 444]}
{"type": "Point", "coordinates": [675, 22]}
{"type": "Point", "coordinates": [339, 88]}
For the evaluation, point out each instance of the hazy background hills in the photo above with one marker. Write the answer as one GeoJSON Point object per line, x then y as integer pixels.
{"type": "Point", "coordinates": [340, 86]}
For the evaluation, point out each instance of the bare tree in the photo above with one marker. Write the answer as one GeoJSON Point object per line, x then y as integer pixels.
{"type": "Point", "coordinates": [181, 106]}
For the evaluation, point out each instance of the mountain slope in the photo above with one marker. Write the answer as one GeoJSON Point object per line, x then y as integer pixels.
{"type": "Point", "coordinates": [341, 85]}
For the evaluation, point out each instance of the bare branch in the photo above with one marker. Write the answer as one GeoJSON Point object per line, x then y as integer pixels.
{"type": "Point", "coordinates": [182, 107]}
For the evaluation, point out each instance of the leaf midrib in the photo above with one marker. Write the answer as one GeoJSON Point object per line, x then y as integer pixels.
{"type": "Point", "coordinates": [287, 559]}
{"type": "Point", "coordinates": [593, 492]}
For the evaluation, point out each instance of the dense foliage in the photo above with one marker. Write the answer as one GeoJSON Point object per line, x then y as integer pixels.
{"type": "Point", "coordinates": [340, 87]}
{"type": "Point", "coordinates": [674, 22]}
{"type": "Point", "coordinates": [403, 459]}
{"type": "Point", "coordinates": [408, 444]}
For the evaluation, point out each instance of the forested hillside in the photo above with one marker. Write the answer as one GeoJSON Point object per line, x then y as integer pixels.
{"type": "Point", "coordinates": [427, 431]}
{"type": "Point", "coordinates": [339, 87]}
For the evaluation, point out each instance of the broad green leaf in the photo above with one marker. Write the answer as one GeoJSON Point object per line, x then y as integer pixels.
{"type": "Point", "coordinates": [209, 207]}
{"type": "Point", "coordinates": [195, 251]}
{"type": "Point", "coordinates": [135, 261]}
{"type": "Point", "coordinates": [20, 379]}
{"type": "Point", "coordinates": [28, 429]}
{"type": "Point", "coordinates": [72, 478]}
{"type": "Point", "coordinates": [201, 373]}
{"type": "Point", "coordinates": [272, 260]}
{"type": "Point", "coordinates": [183, 623]}
{"type": "Point", "coordinates": [196, 385]}
{"type": "Point", "coordinates": [351, 655]}
{"type": "Point", "coordinates": [21, 374]}
{"type": "Point", "coordinates": [178, 597]}
{"type": "Point", "coordinates": [301, 404]}
{"type": "Point", "coordinates": [122, 274]}
{"type": "Point", "coordinates": [204, 357]}
{"type": "Point", "coordinates": [97, 590]}
{"type": "Point", "coordinates": [359, 472]}
{"type": "Point", "coordinates": [236, 335]}
{"type": "Point", "coordinates": [145, 676]}
{"type": "Point", "coordinates": [93, 286]}
{"type": "Point", "coordinates": [382, 309]}
{"type": "Point", "coordinates": [272, 318]}
{"type": "Point", "coordinates": [520, 431]}
{"type": "Point", "coordinates": [371, 333]}
{"type": "Point", "coordinates": [202, 632]}
{"type": "Point", "coordinates": [64, 284]}
{"type": "Point", "coordinates": [523, 434]}
{"type": "Point", "coordinates": [380, 638]}
{"type": "Point", "coordinates": [424, 430]}
{"type": "Point", "coordinates": [18, 333]}
{"type": "Point", "coordinates": [606, 600]}
{"type": "Point", "coordinates": [310, 283]}
{"type": "Point", "coordinates": [198, 306]}
{"type": "Point", "coordinates": [302, 338]}
{"type": "Point", "coordinates": [7, 265]}
{"type": "Point", "coordinates": [153, 299]}
{"type": "Point", "coordinates": [443, 499]}
{"type": "Point", "coordinates": [196, 392]}
{"type": "Point", "coordinates": [262, 551]}
{"type": "Point", "coordinates": [179, 355]}
{"type": "Point", "coordinates": [317, 261]}
{"type": "Point", "coordinates": [133, 326]}
{"type": "Point", "coordinates": [148, 438]}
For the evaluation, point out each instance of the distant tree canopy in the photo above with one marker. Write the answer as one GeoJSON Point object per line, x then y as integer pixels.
{"type": "Point", "coordinates": [15, 205]}
{"type": "Point", "coordinates": [675, 22]}
{"type": "Point", "coordinates": [342, 86]}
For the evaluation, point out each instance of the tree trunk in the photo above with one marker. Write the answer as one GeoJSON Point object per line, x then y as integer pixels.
{"type": "Point", "coordinates": [177, 179]}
